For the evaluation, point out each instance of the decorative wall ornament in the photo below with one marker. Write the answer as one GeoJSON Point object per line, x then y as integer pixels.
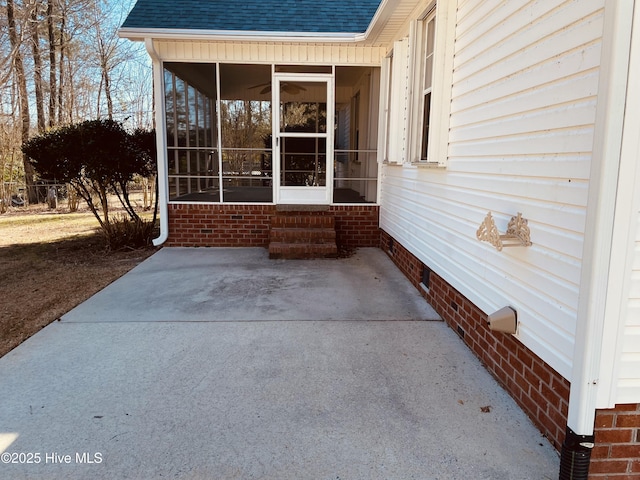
{"type": "Point", "coordinates": [517, 234]}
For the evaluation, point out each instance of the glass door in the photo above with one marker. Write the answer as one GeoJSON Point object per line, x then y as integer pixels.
{"type": "Point", "coordinates": [303, 132]}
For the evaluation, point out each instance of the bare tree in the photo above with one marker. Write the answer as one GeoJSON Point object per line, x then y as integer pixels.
{"type": "Point", "coordinates": [18, 68]}
{"type": "Point", "coordinates": [62, 48]}
{"type": "Point", "coordinates": [134, 102]}
{"type": "Point", "coordinates": [106, 48]}
{"type": "Point", "coordinates": [37, 63]}
{"type": "Point", "coordinates": [75, 59]}
{"type": "Point", "coordinates": [109, 49]}
{"type": "Point", "coordinates": [52, 64]}
{"type": "Point", "coordinates": [62, 62]}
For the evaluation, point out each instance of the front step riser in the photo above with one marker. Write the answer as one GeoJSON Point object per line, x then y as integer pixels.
{"type": "Point", "coordinates": [302, 237]}
{"type": "Point", "coordinates": [298, 251]}
{"type": "Point", "coordinates": [295, 235]}
{"type": "Point", "coordinates": [302, 222]}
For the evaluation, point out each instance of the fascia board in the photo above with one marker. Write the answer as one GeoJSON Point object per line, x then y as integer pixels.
{"type": "Point", "coordinates": [231, 35]}
{"type": "Point", "coordinates": [380, 18]}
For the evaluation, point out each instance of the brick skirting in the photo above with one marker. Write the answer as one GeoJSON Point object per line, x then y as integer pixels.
{"type": "Point", "coordinates": [616, 455]}
{"type": "Point", "coordinates": [226, 225]}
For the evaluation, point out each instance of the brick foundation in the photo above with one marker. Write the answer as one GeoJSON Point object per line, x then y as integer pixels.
{"type": "Point", "coordinates": [540, 391]}
{"type": "Point", "coordinates": [616, 455]}
{"type": "Point", "coordinates": [225, 225]}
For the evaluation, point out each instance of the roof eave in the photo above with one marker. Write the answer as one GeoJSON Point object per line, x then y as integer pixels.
{"type": "Point", "coordinates": [238, 35]}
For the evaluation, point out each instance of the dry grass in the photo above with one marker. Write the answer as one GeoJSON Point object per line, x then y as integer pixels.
{"type": "Point", "coordinates": [51, 261]}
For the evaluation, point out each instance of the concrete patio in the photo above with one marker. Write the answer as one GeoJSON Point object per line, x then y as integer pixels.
{"type": "Point", "coordinates": [223, 364]}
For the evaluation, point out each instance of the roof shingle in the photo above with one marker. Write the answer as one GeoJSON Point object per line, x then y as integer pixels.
{"type": "Point", "coordinates": [302, 16]}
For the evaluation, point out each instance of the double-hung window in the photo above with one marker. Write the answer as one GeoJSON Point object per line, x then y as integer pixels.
{"type": "Point", "coordinates": [428, 35]}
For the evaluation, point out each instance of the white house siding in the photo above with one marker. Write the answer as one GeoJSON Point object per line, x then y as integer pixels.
{"type": "Point", "coordinates": [266, 52]}
{"type": "Point", "coordinates": [520, 140]}
{"type": "Point", "coordinates": [629, 374]}
{"type": "Point", "coordinates": [628, 227]}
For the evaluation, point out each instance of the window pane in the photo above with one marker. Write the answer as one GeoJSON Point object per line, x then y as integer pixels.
{"type": "Point", "coordinates": [303, 162]}
{"type": "Point", "coordinates": [429, 44]}
{"type": "Point", "coordinates": [431, 33]}
{"type": "Point", "coordinates": [355, 169]}
{"type": "Point", "coordinates": [425, 126]}
{"type": "Point", "coordinates": [428, 48]}
{"type": "Point", "coordinates": [245, 116]}
{"type": "Point", "coordinates": [428, 73]}
{"type": "Point", "coordinates": [193, 164]}
{"type": "Point", "coordinates": [246, 124]}
{"type": "Point", "coordinates": [193, 116]}
{"type": "Point", "coordinates": [181, 112]}
{"type": "Point", "coordinates": [172, 161]}
{"type": "Point", "coordinates": [170, 109]}
{"type": "Point", "coordinates": [245, 92]}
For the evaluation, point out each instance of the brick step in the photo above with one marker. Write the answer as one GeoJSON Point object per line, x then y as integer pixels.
{"type": "Point", "coordinates": [303, 235]}
{"type": "Point", "coordinates": [302, 250]}
{"type": "Point", "coordinates": [302, 221]}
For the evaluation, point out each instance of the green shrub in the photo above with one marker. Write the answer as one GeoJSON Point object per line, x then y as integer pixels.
{"type": "Point", "coordinates": [124, 232]}
{"type": "Point", "coordinates": [98, 159]}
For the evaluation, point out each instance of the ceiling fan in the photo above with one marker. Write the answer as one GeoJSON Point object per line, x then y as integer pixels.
{"type": "Point", "coordinates": [288, 87]}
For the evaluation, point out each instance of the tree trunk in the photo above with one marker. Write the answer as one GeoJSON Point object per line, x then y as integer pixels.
{"type": "Point", "coordinates": [52, 65]}
{"type": "Point", "coordinates": [107, 92]}
{"type": "Point", "coordinates": [18, 66]}
{"type": "Point", "coordinates": [37, 63]}
{"type": "Point", "coordinates": [71, 94]}
{"type": "Point", "coordinates": [105, 52]}
{"type": "Point", "coordinates": [61, 68]}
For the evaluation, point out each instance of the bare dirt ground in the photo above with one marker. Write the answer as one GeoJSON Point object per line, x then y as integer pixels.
{"type": "Point", "coordinates": [50, 261]}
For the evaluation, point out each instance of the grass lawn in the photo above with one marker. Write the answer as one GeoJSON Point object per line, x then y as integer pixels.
{"type": "Point", "coordinates": [50, 261]}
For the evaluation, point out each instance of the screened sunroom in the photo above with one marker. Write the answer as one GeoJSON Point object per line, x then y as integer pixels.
{"type": "Point", "coordinates": [268, 133]}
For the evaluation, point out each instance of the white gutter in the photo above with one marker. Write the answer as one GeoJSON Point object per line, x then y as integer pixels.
{"type": "Point", "coordinates": [238, 35]}
{"type": "Point", "coordinates": [598, 238]}
{"type": "Point", "coordinates": [160, 147]}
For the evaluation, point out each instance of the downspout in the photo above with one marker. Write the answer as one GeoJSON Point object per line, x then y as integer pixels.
{"type": "Point", "coordinates": [598, 237]}
{"type": "Point", "coordinates": [160, 148]}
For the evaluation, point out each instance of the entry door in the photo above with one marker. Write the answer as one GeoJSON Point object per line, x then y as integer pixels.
{"type": "Point", "coordinates": [303, 133]}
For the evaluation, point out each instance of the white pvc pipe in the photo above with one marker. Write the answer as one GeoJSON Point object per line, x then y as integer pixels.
{"type": "Point", "coordinates": [160, 141]}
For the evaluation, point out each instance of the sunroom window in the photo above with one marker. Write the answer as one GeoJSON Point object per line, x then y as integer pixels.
{"type": "Point", "coordinates": [199, 164]}
{"type": "Point", "coordinates": [192, 151]}
{"type": "Point", "coordinates": [245, 121]}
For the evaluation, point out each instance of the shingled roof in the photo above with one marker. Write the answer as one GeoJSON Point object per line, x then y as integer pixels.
{"type": "Point", "coordinates": [295, 16]}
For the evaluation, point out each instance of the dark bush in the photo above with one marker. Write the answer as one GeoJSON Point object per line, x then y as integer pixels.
{"type": "Point", "coordinates": [98, 158]}
{"type": "Point", "coordinates": [124, 232]}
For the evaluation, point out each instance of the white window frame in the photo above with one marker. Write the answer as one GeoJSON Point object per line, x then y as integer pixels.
{"type": "Point", "coordinates": [440, 88]}
{"type": "Point", "coordinates": [384, 108]}
{"type": "Point", "coordinates": [395, 104]}
{"type": "Point", "coordinates": [425, 51]}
